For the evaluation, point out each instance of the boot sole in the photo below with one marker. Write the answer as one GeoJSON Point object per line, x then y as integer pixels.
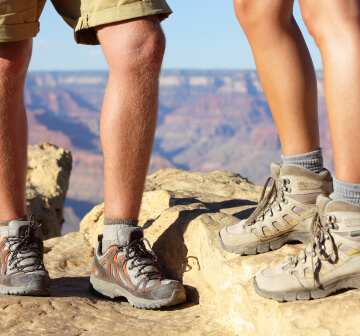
{"type": "Point", "coordinates": [349, 281]}
{"type": "Point", "coordinates": [269, 245]}
{"type": "Point", "coordinates": [110, 291]}
{"type": "Point", "coordinates": [34, 288]}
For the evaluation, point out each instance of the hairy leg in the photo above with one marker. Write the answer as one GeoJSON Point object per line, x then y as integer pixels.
{"type": "Point", "coordinates": [14, 62]}
{"type": "Point", "coordinates": [134, 50]}
{"type": "Point", "coordinates": [285, 69]}
{"type": "Point", "coordinates": [335, 26]}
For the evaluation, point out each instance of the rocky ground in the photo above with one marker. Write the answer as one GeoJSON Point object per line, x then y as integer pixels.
{"type": "Point", "coordinates": [181, 213]}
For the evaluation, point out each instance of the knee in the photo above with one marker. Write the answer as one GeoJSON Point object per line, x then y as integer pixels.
{"type": "Point", "coordinates": [328, 21]}
{"type": "Point", "coordinates": [14, 60]}
{"type": "Point", "coordinates": [246, 12]}
{"type": "Point", "coordinates": [312, 21]}
{"type": "Point", "coordinates": [149, 48]}
{"type": "Point", "coordinates": [141, 46]}
{"type": "Point", "coordinates": [259, 14]}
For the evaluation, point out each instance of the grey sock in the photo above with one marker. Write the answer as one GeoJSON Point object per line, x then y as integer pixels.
{"type": "Point", "coordinates": [345, 191]}
{"type": "Point", "coordinates": [312, 160]}
{"type": "Point", "coordinates": [118, 231]}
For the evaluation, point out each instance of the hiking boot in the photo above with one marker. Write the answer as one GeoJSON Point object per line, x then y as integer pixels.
{"type": "Point", "coordinates": [283, 215]}
{"type": "Point", "coordinates": [131, 271]}
{"type": "Point", "coordinates": [329, 263]}
{"type": "Point", "coordinates": [22, 271]}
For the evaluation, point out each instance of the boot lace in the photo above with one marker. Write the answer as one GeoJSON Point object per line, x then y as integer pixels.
{"type": "Point", "coordinates": [140, 258]}
{"type": "Point", "coordinates": [271, 200]}
{"type": "Point", "coordinates": [26, 247]}
{"type": "Point", "coordinates": [317, 249]}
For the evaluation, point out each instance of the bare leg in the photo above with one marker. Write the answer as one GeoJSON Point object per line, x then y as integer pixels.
{"type": "Point", "coordinates": [335, 26]}
{"type": "Point", "coordinates": [285, 69]}
{"type": "Point", "coordinates": [14, 62]}
{"type": "Point", "coordinates": [134, 51]}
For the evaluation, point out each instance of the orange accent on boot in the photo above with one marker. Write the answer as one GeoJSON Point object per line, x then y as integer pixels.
{"type": "Point", "coordinates": [117, 259]}
{"type": "Point", "coordinates": [95, 269]}
{"type": "Point", "coordinates": [111, 269]}
{"type": "Point", "coordinates": [5, 261]}
{"type": "Point", "coordinates": [104, 262]}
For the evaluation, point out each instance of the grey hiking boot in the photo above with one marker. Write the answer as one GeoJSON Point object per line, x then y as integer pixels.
{"type": "Point", "coordinates": [131, 271]}
{"type": "Point", "coordinates": [22, 271]}
{"type": "Point", "coordinates": [329, 263]}
{"type": "Point", "coordinates": [283, 215]}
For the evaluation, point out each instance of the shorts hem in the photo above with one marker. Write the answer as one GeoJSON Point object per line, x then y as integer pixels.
{"type": "Point", "coordinates": [18, 32]}
{"type": "Point", "coordinates": [85, 34]}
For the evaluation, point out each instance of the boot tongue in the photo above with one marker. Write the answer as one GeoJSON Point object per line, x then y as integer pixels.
{"type": "Point", "coordinates": [127, 234]}
{"type": "Point", "coordinates": [321, 203]}
{"type": "Point", "coordinates": [17, 228]}
{"type": "Point", "coordinates": [275, 170]}
{"type": "Point", "coordinates": [275, 173]}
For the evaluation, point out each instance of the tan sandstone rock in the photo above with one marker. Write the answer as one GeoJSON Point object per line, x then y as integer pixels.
{"type": "Point", "coordinates": [182, 213]}
{"type": "Point", "coordinates": [47, 182]}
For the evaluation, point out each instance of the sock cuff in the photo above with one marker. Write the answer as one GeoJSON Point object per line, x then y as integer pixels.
{"type": "Point", "coordinates": [6, 223]}
{"type": "Point", "coordinates": [127, 222]}
{"type": "Point", "coordinates": [346, 191]}
{"type": "Point", "coordinates": [314, 155]}
{"type": "Point", "coordinates": [346, 185]}
{"type": "Point", "coordinates": [311, 160]}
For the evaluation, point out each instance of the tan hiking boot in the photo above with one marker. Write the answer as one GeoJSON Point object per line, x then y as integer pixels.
{"type": "Point", "coordinates": [284, 214]}
{"type": "Point", "coordinates": [329, 263]}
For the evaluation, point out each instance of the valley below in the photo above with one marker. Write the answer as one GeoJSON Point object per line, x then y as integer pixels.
{"type": "Point", "coordinates": [208, 120]}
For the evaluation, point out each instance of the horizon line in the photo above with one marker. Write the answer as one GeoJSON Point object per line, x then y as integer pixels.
{"type": "Point", "coordinates": [164, 69]}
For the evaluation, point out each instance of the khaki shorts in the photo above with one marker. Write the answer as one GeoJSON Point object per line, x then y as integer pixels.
{"type": "Point", "coordinates": [19, 18]}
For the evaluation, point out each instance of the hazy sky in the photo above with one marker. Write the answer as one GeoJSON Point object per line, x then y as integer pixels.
{"type": "Point", "coordinates": [201, 34]}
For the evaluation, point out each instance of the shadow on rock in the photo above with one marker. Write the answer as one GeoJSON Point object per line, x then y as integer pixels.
{"type": "Point", "coordinates": [244, 214]}
{"type": "Point", "coordinates": [71, 287]}
{"type": "Point", "coordinates": [170, 246]}
{"type": "Point", "coordinates": [227, 204]}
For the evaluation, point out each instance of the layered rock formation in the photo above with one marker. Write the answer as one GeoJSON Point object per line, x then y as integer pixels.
{"type": "Point", "coordinates": [48, 175]}
{"type": "Point", "coordinates": [207, 120]}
